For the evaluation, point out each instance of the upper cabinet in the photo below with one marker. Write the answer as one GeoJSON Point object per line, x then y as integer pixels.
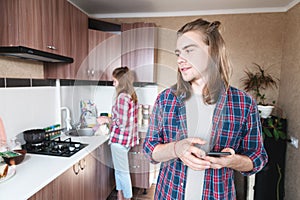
{"type": "Point", "coordinates": [104, 55]}
{"type": "Point", "coordinates": [56, 26]}
{"type": "Point", "coordinates": [78, 35]}
{"type": "Point", "coordinates": [38, 24]}
{"type": "Point", "coordinates": [139, 42]}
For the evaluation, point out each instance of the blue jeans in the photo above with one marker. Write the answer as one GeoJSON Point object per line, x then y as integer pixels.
{"type": "Point", "coordinates": [121, 165]}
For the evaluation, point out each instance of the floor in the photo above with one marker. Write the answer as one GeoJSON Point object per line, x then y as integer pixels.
{"type": "Point", "coordinates": [137, 194]}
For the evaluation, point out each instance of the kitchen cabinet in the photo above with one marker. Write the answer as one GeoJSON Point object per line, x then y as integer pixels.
{"type": "Point", "coordinates": [39, 24]}
{"type": "Point", "coordinates": [104, 55]}
{"type": "Point", "coordinates": [141, 170]}
{"type": "Point", "coordinates": [90, 178]}
{"type": "Point", "coordinates": [78, 35]}
{"type": "Point", "coordinates": [139, 43]}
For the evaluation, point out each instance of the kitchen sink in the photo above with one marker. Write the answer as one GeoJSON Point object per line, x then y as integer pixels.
{"type": "Point", "coordinates": [80, 132]}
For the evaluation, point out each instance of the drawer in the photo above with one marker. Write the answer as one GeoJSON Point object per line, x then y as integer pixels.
{"type": "Point", "coordinates": [139, 166]}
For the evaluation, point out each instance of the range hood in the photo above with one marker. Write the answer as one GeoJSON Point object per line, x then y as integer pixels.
{"type": "Point", "coordinates": [33, 54]}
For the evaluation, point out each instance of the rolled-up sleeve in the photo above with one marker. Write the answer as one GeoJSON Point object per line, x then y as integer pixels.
{"type": "Point", "coordinates": [155, 128]}
{"type": "Point", "coordinates": [252, 144]}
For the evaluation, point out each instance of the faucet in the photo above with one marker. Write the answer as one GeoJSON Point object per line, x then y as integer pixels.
{"type": "Point", "coordinates": [82, 120]}
{"type": "Point", "coordinates": [68, 118]}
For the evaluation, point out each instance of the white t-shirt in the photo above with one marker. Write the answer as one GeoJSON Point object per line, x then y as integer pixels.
{"type": "Point", "coordinates": [199, 124]}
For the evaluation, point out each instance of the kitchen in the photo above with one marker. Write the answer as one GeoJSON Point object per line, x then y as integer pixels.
{"type": "Point", "coordinates": [265, 37]}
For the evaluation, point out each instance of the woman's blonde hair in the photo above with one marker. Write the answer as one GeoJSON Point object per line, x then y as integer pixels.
{"type": "Point", "coordinates": [125, 79]}
{"type": "Point", "coordinates": [218, 64]}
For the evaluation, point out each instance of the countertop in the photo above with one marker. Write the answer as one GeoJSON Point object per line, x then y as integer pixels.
{"type": "Point", "coordinates": [37, 171]}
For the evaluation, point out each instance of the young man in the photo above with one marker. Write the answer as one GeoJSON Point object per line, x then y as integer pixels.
{"type": "Point", "coordinates": [203, 113]}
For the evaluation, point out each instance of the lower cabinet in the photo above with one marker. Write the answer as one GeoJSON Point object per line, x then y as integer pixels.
{"type": "Point", "coordinates": [91, 178]}
{"type": "Point", "coordinates": [141, 170]}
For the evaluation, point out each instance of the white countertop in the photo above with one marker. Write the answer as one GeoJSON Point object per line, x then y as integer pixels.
{"type": "Point", "coordinates": [36, 171]}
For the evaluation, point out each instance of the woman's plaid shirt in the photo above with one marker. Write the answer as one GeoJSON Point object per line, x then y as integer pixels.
{"type": "Point", "coordinates": [124, 129]}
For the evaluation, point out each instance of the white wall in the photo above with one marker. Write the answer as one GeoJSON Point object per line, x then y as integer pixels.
{"type": "Point", "coordinates": [28, 107]}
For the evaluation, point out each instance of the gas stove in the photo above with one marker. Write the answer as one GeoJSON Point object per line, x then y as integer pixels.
{"type": "Point", "coordinates": [55, 147]}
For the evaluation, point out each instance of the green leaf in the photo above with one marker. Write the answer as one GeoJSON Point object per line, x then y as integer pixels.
{"type": "Point", "coordinates": [282, 135]}
{"type": "Point", "coordinates": [267, 132]}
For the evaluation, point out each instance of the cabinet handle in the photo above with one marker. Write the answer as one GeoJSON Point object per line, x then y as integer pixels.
{"type": "Point", "coordinates": [93, 72]}
{"type": "Point", "coordinates": [82, 166]}
{"type": "Point", "coordinates": [135, 166]}
{"type": "Point", "coordinates": [51, 47]}
{"type": "Point", "coordinates": [135, 153]}
{"type": "Point", "coordinates": [76, 171]}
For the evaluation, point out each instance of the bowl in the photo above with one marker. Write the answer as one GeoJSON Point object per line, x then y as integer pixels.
{"type": "Point", "coordinates": [16, 159]}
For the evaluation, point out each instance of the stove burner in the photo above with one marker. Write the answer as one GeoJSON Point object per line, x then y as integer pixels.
{"type": "Point", "coordinates": [55, 147]}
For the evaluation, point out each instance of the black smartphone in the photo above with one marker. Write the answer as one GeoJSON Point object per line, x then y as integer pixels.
{"type": "Point", "coordinates": [218, 154]}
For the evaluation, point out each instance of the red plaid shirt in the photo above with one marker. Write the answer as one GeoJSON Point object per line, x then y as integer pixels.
{"type": "Point", "coordinates": [240, 130]}
{"type": "Point", "coordinates": [124, 121]}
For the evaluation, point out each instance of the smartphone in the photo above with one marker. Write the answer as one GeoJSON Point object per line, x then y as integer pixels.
{"type": "Point", "coordinates": [218, 154]}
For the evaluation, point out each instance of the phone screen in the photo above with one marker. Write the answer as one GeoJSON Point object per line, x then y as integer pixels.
{"type": "Point", "coordinates": [218, 154]}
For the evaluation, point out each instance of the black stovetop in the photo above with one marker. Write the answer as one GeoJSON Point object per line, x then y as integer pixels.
{"type": "Point", "coordinates": [55, 147]}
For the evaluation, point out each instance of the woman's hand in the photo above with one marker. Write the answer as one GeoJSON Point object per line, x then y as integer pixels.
{"type": "Point", "coordinates": [103, 120]}
{"type": "Point", "coordinates": [190, 154]}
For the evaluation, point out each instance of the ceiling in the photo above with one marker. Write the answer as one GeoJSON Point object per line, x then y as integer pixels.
{"type": "Point", "coordinates": [161, 8]}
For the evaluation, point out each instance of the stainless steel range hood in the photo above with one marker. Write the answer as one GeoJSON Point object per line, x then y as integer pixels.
{"type": "Point", "coordinates": [33, 54]}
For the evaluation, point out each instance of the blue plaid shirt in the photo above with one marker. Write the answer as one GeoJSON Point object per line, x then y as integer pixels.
{"type": "Point", "coordinates": [240, 130]}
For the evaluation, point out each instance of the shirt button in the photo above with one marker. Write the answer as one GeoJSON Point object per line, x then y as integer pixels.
{"type": "Point", "coordinates": [181, 184]}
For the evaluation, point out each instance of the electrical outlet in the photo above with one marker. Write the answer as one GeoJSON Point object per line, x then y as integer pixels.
{"type": "Point", "coordinates": [294, 142]}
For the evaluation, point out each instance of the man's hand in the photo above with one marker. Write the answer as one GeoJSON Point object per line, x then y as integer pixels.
{"type": "Point", "coordinates": [190, 154]}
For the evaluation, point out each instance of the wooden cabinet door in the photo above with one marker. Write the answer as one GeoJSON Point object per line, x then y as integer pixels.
{"type": "Point", "coordinates": [105, 172]}
{"type": "Point", "coordinates": [104, 55]}
{"type": "Point", "coordinates": [90, 187]}
{"type": "Point", "coordinates": [78, 36]}
{"type": "Point", "coordinates": [79, 41]}
{"type": "Point", "coordinates": [138, 50]}
{"type": "Point", "coordinates": [22, 24]}
{"type": "Point", "coordinates": [9, 35]}
{"type": "Point", "coordinates": [55, 17]}
{"type": "Point", "coordinates": [69, 185]}
{"type": "Point", "coordinates": [139, 166]}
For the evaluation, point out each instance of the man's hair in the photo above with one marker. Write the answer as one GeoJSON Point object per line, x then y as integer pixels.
{"type": "Point", "coordinates": [218, 64]}
{"type": "Point", "coordinates": [125, 78]}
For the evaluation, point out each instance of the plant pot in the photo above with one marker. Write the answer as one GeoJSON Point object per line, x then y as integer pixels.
{"type": "Point", "coordinates": [265, 111]}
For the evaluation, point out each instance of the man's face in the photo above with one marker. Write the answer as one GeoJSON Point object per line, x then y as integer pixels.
{"type": "Point", "coordinates": [192, 56]}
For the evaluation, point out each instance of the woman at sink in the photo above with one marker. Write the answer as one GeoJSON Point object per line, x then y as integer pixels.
{"type": "Point", "coordinates": [124, 134]}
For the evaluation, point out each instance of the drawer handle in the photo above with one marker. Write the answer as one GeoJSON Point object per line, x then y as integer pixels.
{"type": "Point", "coordinates": [134, 152]}
{"type": "Point", "coordinates": [82, 166]}
{"type": "Point", "coordinates": [51, 47]}
{"type": "Point", "coordinates": [76, 171]}
{"type": "Point", "coordinates": [135, 166]}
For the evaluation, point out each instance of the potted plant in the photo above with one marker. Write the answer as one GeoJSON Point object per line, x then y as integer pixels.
{"type": "Point", "coordinates": [269, 182]}
{"type": "Point", "coordinates": [257, 81]}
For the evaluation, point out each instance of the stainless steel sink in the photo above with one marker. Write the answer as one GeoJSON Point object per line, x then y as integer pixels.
{"type": "Point", "coordinates": [80, 132]}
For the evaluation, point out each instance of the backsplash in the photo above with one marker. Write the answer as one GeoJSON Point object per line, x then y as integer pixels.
{"type": "Point", "coordinates": [28, 103]}
{"type": "Point", "coordinates": [24, 108]}
{"type": "Point", "coordinates": [103, 96]}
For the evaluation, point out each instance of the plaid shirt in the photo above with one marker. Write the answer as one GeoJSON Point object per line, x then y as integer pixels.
{"type": "Point", "coordinates": [124, 121]}
{"type": "Point", "coordinates": [240, 130]}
